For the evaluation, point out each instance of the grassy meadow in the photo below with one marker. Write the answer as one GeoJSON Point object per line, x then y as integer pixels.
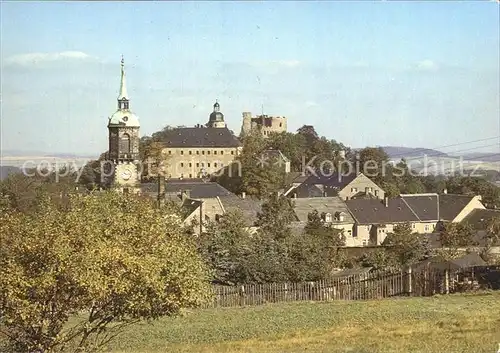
{"type": "Point", "coordinates": [448, 324]}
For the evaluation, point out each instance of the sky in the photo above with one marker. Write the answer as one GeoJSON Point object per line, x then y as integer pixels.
{"type": "Point", "coordinates": [415, 74]}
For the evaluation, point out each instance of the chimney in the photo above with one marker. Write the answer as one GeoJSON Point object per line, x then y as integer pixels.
{"type": "Point", "coordinates": [445, 191]}
{"type": "Point", "coordinates": [294, 195]}
{"type": "Point", "coordinates": [243, 195]}
{"type": "Point", "coordinates": [386, 201]}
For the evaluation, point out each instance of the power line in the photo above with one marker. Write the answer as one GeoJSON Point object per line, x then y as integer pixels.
{"type": "Point", "coordinates": [445, 146]}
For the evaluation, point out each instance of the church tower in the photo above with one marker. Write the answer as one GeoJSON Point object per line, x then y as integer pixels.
{"type": "Point", "coordinates": [216, 119]}
{"type": "Point", "coordinates": [123, 128]}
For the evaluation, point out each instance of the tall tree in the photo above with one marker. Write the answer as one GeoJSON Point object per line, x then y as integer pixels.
{"type": "Point", "coordinates": [276, 215]}
{"type": "Point", "coordinates": [106, 261]}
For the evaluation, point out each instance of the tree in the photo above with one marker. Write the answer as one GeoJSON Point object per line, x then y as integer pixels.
{"type": "Point", "coordinates": [493, 232]}
{"type": "Point", "coordinates": [73, 277]}
{"type": "Point", "coordinates": [408, 247]}
{"type": "Point", "coordinates": [457, 235]}
{"type": "Point", "coordinates": [225, 246]}
{"type": "Point", "coordinates": [276, 215]}
{"type": "Point", "coordinates": [314, 254]}
{"type": "Point", "coordinates": [469, 185]}
{"type": "Point", "coordinates": [372, 162]}
{"type": "Point", "coordinates": [293, 146]}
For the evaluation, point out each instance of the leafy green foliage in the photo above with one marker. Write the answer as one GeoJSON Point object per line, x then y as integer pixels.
{"type": "Point", "coordinates": [409, 247]}
{"type": "Point", "coordinates": [115, 259]}
{"type": "Point", "coordinates": [276, 215]}
{"type": "Point", "coordinates": [457, 235]}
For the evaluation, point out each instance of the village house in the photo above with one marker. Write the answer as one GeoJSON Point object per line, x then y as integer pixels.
{"type": "Point", "coordinates": [374, 219]}
{"type": "Point", "coordinates": [347, 187]}
{"type": "Point", "coordinates": [203, 201]}
{"type": "Point", "coordinates": [333, 212]}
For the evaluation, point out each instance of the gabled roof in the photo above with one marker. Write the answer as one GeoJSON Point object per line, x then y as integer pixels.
{"type": "Point", "coordinates": [336, 180]}
{"type": "Point", "coordinates": [479, 218]}
{"type": "Point", "coordinates": [199, 137]}
{"type": "Point", "coordinates": [197, 189]}
{"type": "Point", "coordinates": [425, 206]}
{"type": "Point", "coordinates": [296, 178]}
{"type": "Point", "coordinates": [304, 206]}
{"type": "Point", "coordinates": [248, 206]}
{"type": "Point", "coordinates": [450, 205]}
{"type": "Point", "coordinates": [373, 211]}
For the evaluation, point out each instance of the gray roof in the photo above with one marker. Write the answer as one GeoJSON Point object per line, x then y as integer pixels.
{"type": "Point", "coordinates": [440, 263]}
{"type": "Point", "coordinates": [372, 211]}
{"type": "Point", "coordinates": [425, 206]}
{"type": "Point", "coordinates": [248, 206]}
{"type": "Point", "coordinates": [197, 189]}
{"type": "Point", "coordinates": [331, 205]}
{"type": "Point", "coordinates": [451, 205]}
{"type": "Point", "coordinates": [335, 180]}
{"type": "Point", "coordinates": [479, 218]}
{"type": "Point", "coordinates": [199, 137]}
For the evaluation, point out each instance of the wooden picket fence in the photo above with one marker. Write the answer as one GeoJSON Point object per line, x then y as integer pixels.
{"type": "Point", "coordinates": [372, 285]}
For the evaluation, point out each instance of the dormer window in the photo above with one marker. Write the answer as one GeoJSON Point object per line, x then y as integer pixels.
{"type": "Point", "coordinates": [328, 217]}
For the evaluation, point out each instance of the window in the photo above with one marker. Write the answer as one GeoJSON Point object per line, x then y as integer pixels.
{"type": "Point", "coordinates": [222, 165]}
{"type": "Point", "coordinates": [354, 189]}
{"type": "Point", "coordinates": [202, 152]}
{"type": "Point", "coordinates": [281, 124]}
{"type": "Point", "coordinates": [215, 165]}
{"type": "Point", "coordinates": [328, 217]}
{"type": "Point", "coordinates": [182, 165]}
{"type": "Point", "coordinates": [202, 165]}
{"type": "Point", "coordinates": [190, 152]}
{"type": "Point", "coordinates": [169, 152]}
{"type": "Point", "coordinates": [376, 192]}
{"type": "Point", "coordinates": [197, 165]}
{"type": "Point", "coordinates": [190, 165]}
{"type": "Point", "coordinates": [413, 225]}
{"type": "Point", "coordinates": [208, 152]}
{"type": "Point", "coordinates": [190, 175]}
{"type": "Point", "coordinates": [349, 232]}
{"type": "Point", "coordinates": [215, 152]}
{"type": "Point", "coordinates": [221, 152]}
{"type": "Point", "coordinates": [426, 228]}
{"type": "Point", "coordinates": [197, 152]}
{"type": "Point", "coordinates": [125, 143]}
{"type": "Point", "coordinates": [182, 152]}
{"type": "Point", "coordinates": [232, 152]}
{"type": "Point", "coordinates": [208, 165]}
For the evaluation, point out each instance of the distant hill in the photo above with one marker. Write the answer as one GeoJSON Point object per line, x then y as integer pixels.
{"type": "Point", "coordinates": [6, 170]}
{"type": "Point", "coordinates": [483, 157]}
{"type": "Point", "coordinates": [397, 152]}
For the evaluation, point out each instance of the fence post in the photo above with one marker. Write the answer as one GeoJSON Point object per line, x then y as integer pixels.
{"type": "Point", "coordinates": [446, 281]}
{"type": "Point", "coordinates": [242, 296]}
{"type": "Point", "coordinates": [409, 281]}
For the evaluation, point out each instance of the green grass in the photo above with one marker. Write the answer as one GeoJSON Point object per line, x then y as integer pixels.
{"type": "Point", "coordinates": [454, 323]}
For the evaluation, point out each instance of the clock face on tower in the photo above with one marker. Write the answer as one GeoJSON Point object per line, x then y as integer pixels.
{"type": "Point", "coordinates": [126, 174]}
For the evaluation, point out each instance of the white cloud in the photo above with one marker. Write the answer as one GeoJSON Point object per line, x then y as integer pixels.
{"type": "Point", "coordinates": [427, 65]}
{"type": "Point", "coordinates": [37, 58]}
